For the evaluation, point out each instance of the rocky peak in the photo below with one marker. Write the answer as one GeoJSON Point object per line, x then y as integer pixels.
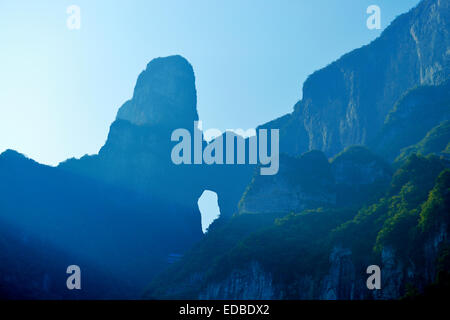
{"type": "Point", "coordinates": [164, 95]}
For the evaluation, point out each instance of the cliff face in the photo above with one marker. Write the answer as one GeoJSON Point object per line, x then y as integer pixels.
{"type": "Point", "coordinates": [302, 183]}
{"type": "Point", "coordinates": [243, 284]}
{"type": "Point", "coordinates": [347, 102]}
{"type": "Point", "coordinates": [311, 181]}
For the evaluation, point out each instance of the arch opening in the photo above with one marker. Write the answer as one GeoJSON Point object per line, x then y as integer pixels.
{"type": "Point", "coordinates": [208, 205]}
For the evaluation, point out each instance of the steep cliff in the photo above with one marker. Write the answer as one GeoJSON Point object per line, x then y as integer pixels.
{"type": "Point", "coordinates": [347, 102]}
{"type": "Point", "coordinates": [164, 94]}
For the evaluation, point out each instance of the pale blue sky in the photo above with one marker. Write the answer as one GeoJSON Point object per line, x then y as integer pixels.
{"type": "Point", "coordinates": [60, 89]}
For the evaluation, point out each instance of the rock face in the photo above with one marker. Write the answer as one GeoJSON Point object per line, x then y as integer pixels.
{"type": "Point", "coordinates": [301, 183]}
{"type": "Point", "coordinates": [249, 283]}
{"type": "Point", "coordinates": [164, 95]}
{"type": "Point", "coordinates": [347, 102]}
{"type": "Point", "coordinates": [432, 247]}
{"type": "Point", "coordinates": [294, 139]}
{"type": "Point", "coordinates": [339, 283]}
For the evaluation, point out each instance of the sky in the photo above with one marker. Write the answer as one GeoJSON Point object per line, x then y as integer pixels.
{"type": "Point", "coordinates": [208, 205]}
{"type": "Point", "coordinates": [60, 89]}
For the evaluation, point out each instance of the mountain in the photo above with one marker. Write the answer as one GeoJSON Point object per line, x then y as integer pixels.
{"type": "Point", "coordinates": [129, 207]}
{"type": "Point", "coordinates": [107, 227]}
{"type": "Point", "coordinates": [164, 94]}
{"type": "Point", "coordinates": [137, 153]}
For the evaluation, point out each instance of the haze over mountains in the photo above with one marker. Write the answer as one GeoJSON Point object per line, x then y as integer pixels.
{"type": "Point", "coordinates": [123, 212]}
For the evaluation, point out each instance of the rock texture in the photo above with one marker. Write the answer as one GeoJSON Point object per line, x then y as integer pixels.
{"type": "Point", "coordinates": [165, 95]}
{"type": "Point", "coordinates": [339, 283]}
{"type": "Point", "coordinates": [249, 283]}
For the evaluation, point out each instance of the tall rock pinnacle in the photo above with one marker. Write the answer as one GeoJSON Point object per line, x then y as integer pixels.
{"type": "Point", "coordinates": [164, 95]}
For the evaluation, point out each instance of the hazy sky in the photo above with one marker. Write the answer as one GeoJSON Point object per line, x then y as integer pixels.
{"type": "Point", "coordinates": [60, 89]}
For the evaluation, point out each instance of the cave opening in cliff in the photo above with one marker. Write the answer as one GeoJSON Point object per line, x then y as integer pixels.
{"type": "Point", "coordinates": [208, 205]}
